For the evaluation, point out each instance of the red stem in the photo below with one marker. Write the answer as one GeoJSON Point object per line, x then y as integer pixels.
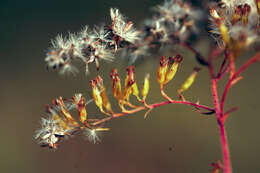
{"type": "Point", "coordinates": [116, 115]}
{"type": "Point", "coordinates": [223, 137]}
{"type": "Point", "coordinates": [220, 107]}
{"type": "Point", "coordinates": [222, 70]}
{"type": "Point", "coordinates": [235, 75]}
{"type": "Point", "coordinates": [225, 148]}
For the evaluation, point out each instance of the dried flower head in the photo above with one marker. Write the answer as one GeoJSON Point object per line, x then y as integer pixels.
{"type": "Point", "coordinates": [61, 122]}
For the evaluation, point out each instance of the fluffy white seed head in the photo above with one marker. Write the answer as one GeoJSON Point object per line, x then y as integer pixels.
{"type": "Point", "coordinates": [174, 17]}
{"type": "Point", "coordinates": [59, 43]}
{"type": "Point", "coordinates": [100, 34]}
{"type": "Point", "coordinates": [50, 132]}
{"type": "Point", "coordinates": [102, 52]}
{"type": "Point", "coordinates": [123, 29]}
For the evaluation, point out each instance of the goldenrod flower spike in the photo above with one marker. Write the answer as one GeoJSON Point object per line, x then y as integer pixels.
{"type": "Point", "coordinates": [162, 70]}
{"type": "Point", "coordinates": [146, 86]}
{"type": "Point", "coordinates": [116, 84]}
{"type": "Point", "coordinates": [65, 112]}
{"type": "Point", "coordinates": [189, 81]}
{"type": "Point", "coordinates": [103, 94]}
{"type": "Point", "coordinates": [173, 64]}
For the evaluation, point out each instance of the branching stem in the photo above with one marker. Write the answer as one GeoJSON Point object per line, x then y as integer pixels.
{"type": "Point", "coordinates": [219, 105]}
{"type": "Point", "coordinates": [152, 106]}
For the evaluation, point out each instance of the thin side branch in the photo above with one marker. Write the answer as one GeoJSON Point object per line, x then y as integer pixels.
{"type": "Point", "coordinates": [152, 106]}
{"type": "Point", "coordinates": [235, 75]}
{"type": "Point", "coordinates": [198, 55]}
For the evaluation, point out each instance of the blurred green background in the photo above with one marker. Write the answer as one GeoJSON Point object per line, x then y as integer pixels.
{"type": "Point", "coordinates": [174, 138]}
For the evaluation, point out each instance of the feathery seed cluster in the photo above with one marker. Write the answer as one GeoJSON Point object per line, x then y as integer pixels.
{"type": "Point", "coordinates": [173, 20]}
{"type": "Point", "coordinates": [235, 23]}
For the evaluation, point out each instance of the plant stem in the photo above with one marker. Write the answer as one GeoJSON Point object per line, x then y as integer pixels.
{"type": "Point", "coordinates": [225, 148]}
{"type": "Point", "coordinates": [198, 56]}
{"type": "Point", "coordinates": [254, 59]}
{"type": "Point", "coordinates": [116, 115]}
{"type": "Point", "coordinates": [219, 114]}
{"type": "Point", "coordinates": [223, 137]}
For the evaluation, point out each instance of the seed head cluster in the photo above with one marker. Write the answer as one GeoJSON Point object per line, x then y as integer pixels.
{"type": "Point", "coordinates": [61, 123]}
{"type": "Point", "coordinates": [235, 23]}
{"type": "Point", "coordinates": [173, 20]}
{"type": "Point", "coordinates": [91, 46]}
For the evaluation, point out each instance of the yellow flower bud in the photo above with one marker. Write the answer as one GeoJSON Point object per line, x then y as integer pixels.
{"type": "Point", "coordinates": [162, 70]}
{"type": "Point", "coordinates": [103, 94]}
{"type": "Point", "coordinates": [189, 81]}
{"type": "Point", "coordinates": [173, 66]}
{"type": "Point", "coordinates": [116, 84]}
{"type": "Point", "coordinates": [83, 115]}
{"type": "Point", "coordinates": [135, 90]}
{"type": "Point", "coordinates": [106, 102]}
{"type": "Point", "coordinates": [146, 86]}
{"type": "Point", "coordinates": [96, 95]}
{"type": "Point", "coordinates": [130, 84]}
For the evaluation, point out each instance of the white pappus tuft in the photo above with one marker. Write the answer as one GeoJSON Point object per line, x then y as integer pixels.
{"type": "Point", "coordinates": [92, 135]}
{"type": "Point", "coordinates": [101, 34]}
{"type": "Point", "coordinates": [50, 132]}
{"type": "Point", "coordinates": [123, 29]}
